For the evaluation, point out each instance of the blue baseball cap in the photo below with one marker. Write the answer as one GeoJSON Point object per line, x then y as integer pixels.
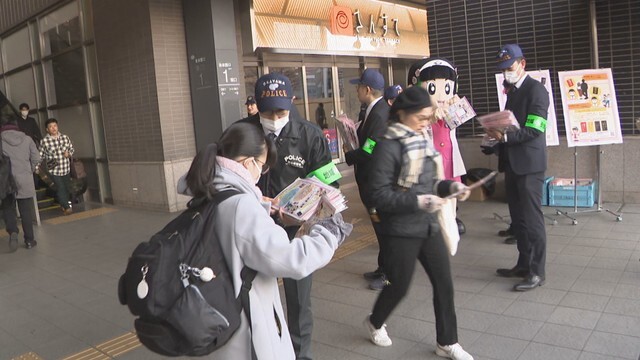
{"type": "Point", "coordinates": [392, 92]}
{"type": "Point", "coordinates": [508, 55]}
{"type": "Point", "coordinates": [371, 78]}
{"type": "Point", "coordinates": [273, 92]}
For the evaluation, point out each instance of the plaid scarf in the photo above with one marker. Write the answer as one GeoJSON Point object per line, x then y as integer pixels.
{"type": "Point", "coordinates": [415, 148]}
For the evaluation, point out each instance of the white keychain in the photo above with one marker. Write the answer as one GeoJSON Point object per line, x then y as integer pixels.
{"type": "Point", "coordinates": [143, 287]}
{"type": "Point", "coordinates": [206, 274]}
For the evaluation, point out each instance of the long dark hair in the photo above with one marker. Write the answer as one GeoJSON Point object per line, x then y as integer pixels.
{"type": "Point", "coordinates": [238, 140]}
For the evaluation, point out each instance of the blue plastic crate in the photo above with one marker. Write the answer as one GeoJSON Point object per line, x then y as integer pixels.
{"type": "Point", "coordinates": [561, 193]}
{"type": "Point", "coordinates": [545, 191]}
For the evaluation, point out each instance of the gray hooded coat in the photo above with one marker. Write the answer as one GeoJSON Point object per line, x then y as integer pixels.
{"type": "Point", "coordinates": [24, 156]}
{"type": "Point", "coordinates": [249, 236]}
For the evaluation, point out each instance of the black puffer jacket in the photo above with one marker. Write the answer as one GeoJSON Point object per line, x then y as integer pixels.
{"type": "Point", "coordinates": [398, 207]}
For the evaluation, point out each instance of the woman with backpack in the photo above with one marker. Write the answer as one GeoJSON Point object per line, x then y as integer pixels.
{"type": "Point", "coordinates": [250, 237]}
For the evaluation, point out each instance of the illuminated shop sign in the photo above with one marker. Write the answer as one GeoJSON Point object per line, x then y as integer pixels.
{"type": "Point", "coordinates": [350, 27]}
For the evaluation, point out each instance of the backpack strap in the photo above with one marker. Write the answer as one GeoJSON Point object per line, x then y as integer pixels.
{"type": "Point", "coordinates": [247, 275]}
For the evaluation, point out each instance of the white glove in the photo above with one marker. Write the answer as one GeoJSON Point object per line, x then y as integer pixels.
{"type": "Point", "coordinates": [430, 203]}
{"type": "Point", "coordinates": [458, 187]}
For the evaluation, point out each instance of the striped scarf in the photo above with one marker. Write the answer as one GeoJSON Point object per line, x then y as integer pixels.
{"type": "Point", "coordinates": [415, 148]}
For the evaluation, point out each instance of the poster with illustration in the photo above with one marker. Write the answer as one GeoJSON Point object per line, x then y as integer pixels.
{"type": "Point", "coordinates": [543, 76]}
{"type": "Point", "coordinates": [590, 107]}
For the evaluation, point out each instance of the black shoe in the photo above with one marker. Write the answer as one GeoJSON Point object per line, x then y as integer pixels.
{"type": "Point", "coordinates": [31, 244]}
{"type": "Point", "coordinates": [379, 283]}
{"type": "Point", "coordinates": [513, 272]}
{"type": "Point", "coordinates": [461, 228]}
{"type": "Point", "coordinates": [511, 240]}
{"type": "Point", "coordinates": [505, 233]}
{"type": "Point", "coordinates": [13, 242]}
{"type": "Point", "coordinates": [370, 276]}
{"type": "Point", "coordinates": [530, 283]}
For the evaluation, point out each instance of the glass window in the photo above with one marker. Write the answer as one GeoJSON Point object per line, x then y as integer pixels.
{"type": "Point", "coordinates": [349, 103]}
{"type": "Point", "coordinates": [295, 76]}
{"type": "Point", "coordinates": [66, 81]}
{"type": "Point", "coordinates": [21, 87]}
{"type": "Point", "coordinates": [20, 53]}
{"type": "Point", "coordinates": [320, 93]}
{"type": "Point", "coordinates": [250, 78]}
{"type": "Point", "coordinates": [60, 29]}
{"type": "Point", "coordinates": [75, 122]}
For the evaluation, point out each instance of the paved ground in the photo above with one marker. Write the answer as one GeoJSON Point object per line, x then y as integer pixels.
{"type": "Point", "coordinates": [59, 299]}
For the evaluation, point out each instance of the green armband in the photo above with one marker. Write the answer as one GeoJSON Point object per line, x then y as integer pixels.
{"type": "Point", "coordinates": [327, 174]}
{"type": "Point", "coordinates": [369, 145]}
{"type": "Point", "coordinates": [536, 122]}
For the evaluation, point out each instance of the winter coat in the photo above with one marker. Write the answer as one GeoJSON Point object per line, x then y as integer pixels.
{"type": "Point", "coordinates": [249, 236]}
{"type": "Point", "coordinates": [397, 206]}
{"type": "Point", "coordinates": [24, 157]}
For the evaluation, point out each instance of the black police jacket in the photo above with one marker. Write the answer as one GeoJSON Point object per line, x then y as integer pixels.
{"type": "Point", "coordinates": [302, 148]}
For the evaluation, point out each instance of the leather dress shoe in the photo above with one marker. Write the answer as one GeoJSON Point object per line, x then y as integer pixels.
{"type": "Point", "coordinates": [505, 233]}
{"type": "Point", "coordinates": [530, 283]}
{"type": "Point", "coordinates": [461, 228]}
{"type": "Point", "coordinates": [513, 272]}
{"type": "Point", "coordinates": [377, 273]}
{"type": "Point", "coordinates": [511, 240]}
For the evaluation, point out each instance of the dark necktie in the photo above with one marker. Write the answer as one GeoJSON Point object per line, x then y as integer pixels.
{"type": "Point", "coordinates": [272, 136]}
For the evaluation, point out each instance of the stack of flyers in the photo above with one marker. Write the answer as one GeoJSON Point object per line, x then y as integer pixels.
{"type": "Point", "coordinates": [457, 113]}
{"type": "Point", "coordinates": [306, 198]}
{"type": "Point", "coordinates": [501, 120]}
{"type": "Point", "coordinates": [348, 131]}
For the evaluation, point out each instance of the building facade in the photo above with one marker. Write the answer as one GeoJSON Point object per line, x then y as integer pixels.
{"type": "Point", "coordinates": [140, 85]}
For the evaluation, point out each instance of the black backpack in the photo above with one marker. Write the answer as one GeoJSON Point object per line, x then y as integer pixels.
{"type": "Point", "coordinates": [179, 286]}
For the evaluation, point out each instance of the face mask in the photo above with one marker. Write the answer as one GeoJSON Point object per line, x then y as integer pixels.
{"type": "Point", "coordinates": [259, 168]}
{"type": "Point", "coordinates": [274, 125]}
{"type": "Point", "coordinates": [24, 113]}
{"type": "Point", "coordinates": [512, 77]}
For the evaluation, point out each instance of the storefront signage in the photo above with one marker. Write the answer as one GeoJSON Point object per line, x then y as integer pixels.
{"type": "Point", "coordinates": [349, 27]}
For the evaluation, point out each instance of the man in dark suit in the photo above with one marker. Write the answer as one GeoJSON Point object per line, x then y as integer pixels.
{"type": "Point", "coordinates": [371, 129]}
{"type": "Point", "coordinates": [523, 159]}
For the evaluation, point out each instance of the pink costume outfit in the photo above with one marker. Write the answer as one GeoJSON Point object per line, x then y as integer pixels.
{"type": "Point", "coordinates": [442, 143]}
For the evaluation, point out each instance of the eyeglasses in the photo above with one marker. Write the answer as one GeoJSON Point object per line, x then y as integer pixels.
{"type": "Point", "coordinates": [264, 166]}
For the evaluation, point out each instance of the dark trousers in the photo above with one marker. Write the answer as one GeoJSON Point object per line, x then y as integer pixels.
{"type": "Point", "coordinates": [63, 183]}
{"type": "Point", "coordinates": [380, 238]}
{"type": "Point", "coordinates": [297, 293]}
{"type": "Point", "coordinates": [524, 194]}
{"type": "Point", "coordinates": [27, 214]}
{"type": "Point", "coordinates": [400, 260]}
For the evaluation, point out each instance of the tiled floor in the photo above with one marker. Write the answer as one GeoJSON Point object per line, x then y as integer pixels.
{"type": "Point", "coordinates": [60, 298]}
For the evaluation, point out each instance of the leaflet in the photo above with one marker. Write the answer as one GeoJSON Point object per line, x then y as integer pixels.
{"type": "Point", "coordinates": [305, 198]}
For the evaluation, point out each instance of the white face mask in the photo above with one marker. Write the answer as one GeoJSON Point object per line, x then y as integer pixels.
{"type": "Point", "coordinates": [24, 113]}
{"type": "Point", "coordinates": [274, 125]}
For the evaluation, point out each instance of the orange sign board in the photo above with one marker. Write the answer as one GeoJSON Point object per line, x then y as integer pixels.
{"type": "Point", "coordinates": [341, 19]}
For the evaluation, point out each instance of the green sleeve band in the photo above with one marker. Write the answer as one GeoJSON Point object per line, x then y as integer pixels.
{"type": "Point", "coordinates": [368, 146]}
{"type": "Point", "coordinates": [327, 174]}
{"type": "Point", "coordinates": [536, 122]}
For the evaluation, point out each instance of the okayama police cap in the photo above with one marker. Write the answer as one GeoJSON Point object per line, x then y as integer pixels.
{"type": "Point", "coordinates": [508, 55]}
{"type": "Point", "coordinates": [273, 92]}
{"type": "Point", "coordinates": [371, 78]}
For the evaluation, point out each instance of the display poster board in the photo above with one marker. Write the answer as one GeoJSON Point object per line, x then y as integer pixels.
{"type": "Point", "coordinates": [590, 107]}
{"type": "Point", "coordinates": [542, 76]}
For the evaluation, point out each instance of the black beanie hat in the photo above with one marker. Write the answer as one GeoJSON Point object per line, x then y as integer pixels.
{"type": "Point", "coordinates": [412, 99]}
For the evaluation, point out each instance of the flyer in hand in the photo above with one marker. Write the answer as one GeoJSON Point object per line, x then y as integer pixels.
{"type": "Point", "coordinates": [458, 112]}
{"type": "Point", "coordinates": [348, 131]}
{"type": "Point", "coordinates": [500, 120]}
{"type": "Point", "coordinates": [304, 198]}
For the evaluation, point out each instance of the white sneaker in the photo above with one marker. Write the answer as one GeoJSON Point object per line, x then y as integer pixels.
{"type": "Point", "coordinates": [455, 352]}
{"type": "Point", "coordinates": [378, 336]}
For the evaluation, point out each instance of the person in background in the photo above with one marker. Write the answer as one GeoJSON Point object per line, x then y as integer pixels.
{"type": "Point", "coordinates": [58, 148]}
{"type": "Point", "coordinates": [321, 116]}
{"type": "Point", "coordinates": [407, 194]}
{"type": "Point", "coordinates": [252, 108]}
{"type": "Point", "coordinates": [522, 157]}
{"type": "Point", "coordinates": [28, 125]}
{"type": "Point", "coordinates": [370, 130]}
{"type": "Point", "coordinates": [302, 149]}
{"type": "Point", "coordinates": [236, 162]}
{"type": "Point", "coordinates": [391, 93]}
{"type": "Point", "coordinates": [24, 156]}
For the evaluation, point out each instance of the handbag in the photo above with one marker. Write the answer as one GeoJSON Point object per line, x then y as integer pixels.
{"type": "Point", "coordinates": [51, 164]}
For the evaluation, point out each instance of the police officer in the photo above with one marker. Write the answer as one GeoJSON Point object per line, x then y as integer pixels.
{"type": "Point", "coordinates": [302, 150]}
{"type": "Point", "coordinates": [523, 159]}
